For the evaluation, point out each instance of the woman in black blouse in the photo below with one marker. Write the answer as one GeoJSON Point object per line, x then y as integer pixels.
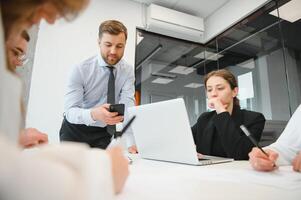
{"type": "Point", "coordinates": [217, 133]}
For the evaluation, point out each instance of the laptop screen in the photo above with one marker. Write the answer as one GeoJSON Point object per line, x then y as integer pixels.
{"type": "Point", "coordinates": [162, 132]}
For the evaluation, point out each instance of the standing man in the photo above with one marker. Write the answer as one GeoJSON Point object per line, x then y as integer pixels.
{"type": "Point", "coordinates": [96, 83]}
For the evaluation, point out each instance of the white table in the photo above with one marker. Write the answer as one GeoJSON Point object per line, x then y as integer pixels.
{"type": "Point", "coordinates": [236, 180]}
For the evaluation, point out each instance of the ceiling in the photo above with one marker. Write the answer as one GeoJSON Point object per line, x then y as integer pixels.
{"type": "Point", "coordinates": [247, 40]}
{"type": "Point", "coordinates": [200, 8]}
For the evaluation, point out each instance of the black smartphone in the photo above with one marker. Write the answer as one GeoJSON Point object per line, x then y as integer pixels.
{"type": "Point", "coordinates": [117, 108]}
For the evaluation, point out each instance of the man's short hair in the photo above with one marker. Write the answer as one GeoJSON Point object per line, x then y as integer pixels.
{"type": "Point", "coordinates": [25, 35]}
{"type": "Point", "coordinates": [112, 27]}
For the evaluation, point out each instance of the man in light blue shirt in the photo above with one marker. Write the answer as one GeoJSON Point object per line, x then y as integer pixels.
{"type": "Point", "coordinates": [86, 100]}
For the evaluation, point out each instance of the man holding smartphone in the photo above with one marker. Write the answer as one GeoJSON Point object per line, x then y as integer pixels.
{"type": "Point", "coordinates": [94, 85]}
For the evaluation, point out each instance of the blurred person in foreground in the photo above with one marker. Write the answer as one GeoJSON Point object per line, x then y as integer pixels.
{"type": "Point", "coordinates": [67, 171]}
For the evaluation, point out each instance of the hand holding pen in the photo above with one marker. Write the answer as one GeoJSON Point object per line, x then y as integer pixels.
{"type": "Point", "coordinates": [261, 160]}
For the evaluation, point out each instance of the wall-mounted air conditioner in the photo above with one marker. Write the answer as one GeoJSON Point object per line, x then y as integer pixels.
{"type": "Point", "coordinates": [173, 23]}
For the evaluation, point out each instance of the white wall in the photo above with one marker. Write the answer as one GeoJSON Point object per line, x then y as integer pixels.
{"type": "Point", "coordinates": [62, 45]}
{"type": "Point", "coordinates": [229, 14]}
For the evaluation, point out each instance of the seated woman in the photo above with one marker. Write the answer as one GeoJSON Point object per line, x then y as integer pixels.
{"type": "Point", "coordinates": [217, 133]}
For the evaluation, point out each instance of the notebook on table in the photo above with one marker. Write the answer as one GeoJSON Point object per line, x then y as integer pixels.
{"type": "Point", "coordinates": [162, 132]}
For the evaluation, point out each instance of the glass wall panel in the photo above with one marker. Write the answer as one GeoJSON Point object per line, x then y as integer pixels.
{"type": "Point", "coordinates": [260, 56]}
{"type": "Point", "coordinates": [291, 32]}
{"type": "Point", "coordinates": [170, 71]}
{"type": "Point", "coordinates": [263, 51]}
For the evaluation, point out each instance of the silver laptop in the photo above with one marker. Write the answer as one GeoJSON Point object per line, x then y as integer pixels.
{"type": "Point", "coordinates": [162, 132]}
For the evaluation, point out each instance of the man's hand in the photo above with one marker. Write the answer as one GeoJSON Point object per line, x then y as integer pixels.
{"type": "Point", "coordinates": [261, 162]}
{"type": "Point", "coordinates": [31, 137]}
{"type": "Point", "coordinates": [120, 167]}
{"type": "Point", "coordinates": [101, 113]}
{"type": "Point", "coordinates": [297, 163]}
{"type": "Point", "coordinates": [133, 149]}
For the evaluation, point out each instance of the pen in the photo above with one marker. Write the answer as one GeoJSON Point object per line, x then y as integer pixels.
{"type": "Point", "coordinates": [248, 134]}
{"type": "Point", "coordinates": [117, 136]}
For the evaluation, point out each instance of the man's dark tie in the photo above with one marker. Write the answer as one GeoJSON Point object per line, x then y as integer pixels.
{"type": "Point", "coordinates": [111, 97]}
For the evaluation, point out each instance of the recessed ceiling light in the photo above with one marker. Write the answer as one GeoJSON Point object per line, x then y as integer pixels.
{"type": "Point", "coordinates": [208, 55]}
{"type": "Point", "coordinates": [162, 80]}
{"type": "Point", "coordinates": [194, 85]}
{"type": "Point", "coordinates": [163, 75]}
{"type": "Point", "coordinates": [289, 11]}
{"type": "Point", "coordinates": [182, 70]}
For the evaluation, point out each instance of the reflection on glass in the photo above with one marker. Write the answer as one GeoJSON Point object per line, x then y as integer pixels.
{"type": "Point", "coordinates": [262, 51]}
{"type": "Point", "coordinates": [168, 74]}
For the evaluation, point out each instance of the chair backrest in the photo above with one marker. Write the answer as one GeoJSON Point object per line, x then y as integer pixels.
{"type": "Point", "coordinates": [272, 130]}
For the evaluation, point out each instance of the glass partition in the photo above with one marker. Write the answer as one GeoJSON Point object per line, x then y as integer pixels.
{"type": "Point", "coordinates": [263, 51]}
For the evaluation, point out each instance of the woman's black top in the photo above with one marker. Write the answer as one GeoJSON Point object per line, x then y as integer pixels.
{"type": "Point", "coordinates": [220, 135]}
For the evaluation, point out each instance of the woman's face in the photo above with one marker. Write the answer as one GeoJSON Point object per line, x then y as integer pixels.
{"type": "Point", "coordinates": [218, 87]}
{"type": "Point", "coordinates": [45, 11]}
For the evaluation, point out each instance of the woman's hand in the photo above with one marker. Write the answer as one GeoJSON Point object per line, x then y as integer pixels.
{"type": "Point", "coordinates": [120, 167]}
{"type": "Point", "coordinates": [31, 137]}
{"type": "Point", "coordinates": [216, 103]}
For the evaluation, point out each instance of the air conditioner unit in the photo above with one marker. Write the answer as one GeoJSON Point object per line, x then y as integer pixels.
{"type": "Point", "coordinates": [174, 23]}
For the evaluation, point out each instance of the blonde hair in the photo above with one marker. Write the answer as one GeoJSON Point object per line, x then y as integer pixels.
{"type": "Point", "coordinates": [16, 12]}
{"type": "Point", "coordinates": [228, 76]}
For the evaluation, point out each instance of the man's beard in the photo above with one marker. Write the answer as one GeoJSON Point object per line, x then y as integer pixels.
{"type": "Point", "coordinates": [111, 62]}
